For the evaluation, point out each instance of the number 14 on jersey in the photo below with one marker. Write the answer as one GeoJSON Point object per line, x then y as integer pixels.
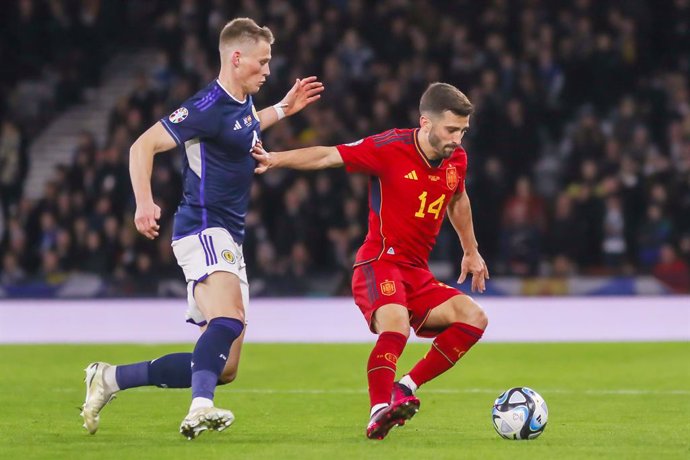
{"type": "Point", "coordinates": [434, 207]}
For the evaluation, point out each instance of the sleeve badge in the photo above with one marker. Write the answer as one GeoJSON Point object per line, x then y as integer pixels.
{"type": "Point", "coordinates": [178, 115]}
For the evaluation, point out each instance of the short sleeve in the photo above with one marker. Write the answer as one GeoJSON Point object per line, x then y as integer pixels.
{"type": "Point", "coordinates": [189, 122]}
{"type": "Point", "coordinates": [362, 156]}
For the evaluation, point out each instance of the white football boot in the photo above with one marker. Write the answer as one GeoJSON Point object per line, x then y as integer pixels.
{"type": "Point", "coordinates": [205, 418]}
{"type": "Point", "coordinates": [97, 395]}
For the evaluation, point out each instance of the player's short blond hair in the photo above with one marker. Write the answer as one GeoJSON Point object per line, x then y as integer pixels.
{"type": "Point", "coordinates": [440, 97]}
{"type": "Point", "coordinates": [244, 30]}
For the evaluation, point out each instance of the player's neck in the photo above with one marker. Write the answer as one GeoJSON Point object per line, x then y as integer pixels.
{"type": "Point", "coordinates": [232, 87]}
{"type": "Point", "coordinates": [426, 148]}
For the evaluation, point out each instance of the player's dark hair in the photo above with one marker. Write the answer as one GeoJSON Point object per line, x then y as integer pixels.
{"type": "Point", "coordinates": [440, 97]}
{"type": "Point", "coordinates": [244, 29]}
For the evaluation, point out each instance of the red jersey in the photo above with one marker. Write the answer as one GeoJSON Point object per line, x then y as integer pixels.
{"type": "Point", "coordinates": [408, 196]}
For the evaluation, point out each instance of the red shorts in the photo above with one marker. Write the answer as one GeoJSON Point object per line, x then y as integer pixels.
{"type": "Point", "coordinates": [379, 283]}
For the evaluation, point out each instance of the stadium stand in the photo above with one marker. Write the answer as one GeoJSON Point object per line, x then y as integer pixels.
{"type": "Point", "coordinates": [579, 151]}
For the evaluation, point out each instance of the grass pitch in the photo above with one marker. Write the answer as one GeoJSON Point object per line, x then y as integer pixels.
{"type": "Point", "coordinates": [606, 401]}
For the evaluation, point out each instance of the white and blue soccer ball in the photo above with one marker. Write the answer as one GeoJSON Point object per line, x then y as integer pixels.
{"type": "Point", "coordinates": [520, 413]}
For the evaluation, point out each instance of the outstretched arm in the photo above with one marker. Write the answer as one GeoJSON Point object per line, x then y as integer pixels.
{"type": "Point", "coordinates": [307, 158]}
{"type": "Point", "coordinates": [154, 140]}
{"type": "Point", "coordinates": [303, 92]}
{"type": "Point", "coordinates": [460, 215]}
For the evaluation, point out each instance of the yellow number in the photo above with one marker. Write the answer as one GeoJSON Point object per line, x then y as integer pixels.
{"type": "Point", "coordinates": [422, 198]}
{"type": "Point", "coordinates": [434, 208]}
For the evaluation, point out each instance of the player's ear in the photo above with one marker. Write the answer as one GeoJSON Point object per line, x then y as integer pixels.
{"type": "Point", "coordinates": [425, 122]}
{"type": "Point", "coordinates": [235, 59]}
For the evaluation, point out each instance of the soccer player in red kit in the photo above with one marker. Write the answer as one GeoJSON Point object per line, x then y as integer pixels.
{"type": "Point", "coordinates": [416, 175]}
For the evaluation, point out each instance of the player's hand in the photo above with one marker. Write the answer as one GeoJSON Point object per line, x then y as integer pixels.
{"type": "Point", "coordinates": [472, 262]}
{"type": "Point", "coordinates": [303, 92]}
{"type": "Point", "coordinates": [262, 157]}
{"type": "Point", "coordinates": [146, 219]}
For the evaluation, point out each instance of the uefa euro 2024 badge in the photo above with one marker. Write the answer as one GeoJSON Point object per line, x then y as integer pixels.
{"type": "Point", "coordinates": [178, 115]}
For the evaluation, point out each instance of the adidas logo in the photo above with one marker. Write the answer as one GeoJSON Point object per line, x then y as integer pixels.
{"type": "Point", "coordinates": [237, 125]}
{"type": "Point", "coordinates": [411, 175]}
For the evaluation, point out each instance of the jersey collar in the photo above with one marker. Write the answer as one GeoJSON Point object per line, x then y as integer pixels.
{"type": "Point", "coordinates": [421, 153]}
{"type": "Point", "coordinates": [231, 96]}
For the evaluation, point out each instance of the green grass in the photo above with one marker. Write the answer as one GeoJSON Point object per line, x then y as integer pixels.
{"type": "Point", "coordinates": [606, 401]}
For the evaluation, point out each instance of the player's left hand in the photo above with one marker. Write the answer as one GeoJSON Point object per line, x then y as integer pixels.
{"type": "Point", "coordinates": [472, 262]}
{"type": "Point", "coordinates": [303, 92]}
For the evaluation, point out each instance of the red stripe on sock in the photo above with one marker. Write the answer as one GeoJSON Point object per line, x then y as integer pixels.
{"type": "Point", "coordinates": [382, 366]}
{"type": "Point", "coordinates": [449, 346]}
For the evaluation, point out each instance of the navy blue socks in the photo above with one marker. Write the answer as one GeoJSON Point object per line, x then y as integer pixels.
{"type": "Point", "coordinates": [169, 371]}
{"type": "Point", "coordinates": [211, 353]}
{"type": "Point", "coordinates": [175, 370]}
{"type": "Point", "coordinates": [132, 375]}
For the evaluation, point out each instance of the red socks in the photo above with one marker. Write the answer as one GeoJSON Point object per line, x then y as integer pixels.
{"type": "Point", "coordinates": [449, 346]}
{"type": "Point", "coordinates": [382, 366]}
{"type": "Point", "coordinates": [446, 350]}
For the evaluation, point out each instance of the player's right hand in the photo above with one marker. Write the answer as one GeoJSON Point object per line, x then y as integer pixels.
{"type": "Point", "coordinates": [146, 219]}
{"type": "Point", "coordinates": [262, 157]}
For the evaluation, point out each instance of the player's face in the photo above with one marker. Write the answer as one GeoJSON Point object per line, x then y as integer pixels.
{"type": "Point", "coordinates": [446, 132]}
{"type": "Point", "coordinates": [253, 66]}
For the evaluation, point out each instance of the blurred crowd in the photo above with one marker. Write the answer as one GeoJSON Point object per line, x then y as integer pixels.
{"type": "Point", "coordinates": [579, 149]}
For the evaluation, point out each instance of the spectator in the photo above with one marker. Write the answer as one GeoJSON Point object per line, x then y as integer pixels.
{"type": "Point", "coordinates": [12, 273]}
{"type": "Point", "coordinates": [653, 234]}
{"type": "Point", "coordinates": [548, 118]}
{"type": "Point", "coordinates": [13, 167]}
{"type": "Point", "coordinates": [672, 271]}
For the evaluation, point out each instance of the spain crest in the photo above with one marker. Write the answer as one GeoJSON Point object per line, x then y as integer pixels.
{"type": "Point", "coordinates": [388, 287]}
{"type": "Point", "coordinates": [452, 177]}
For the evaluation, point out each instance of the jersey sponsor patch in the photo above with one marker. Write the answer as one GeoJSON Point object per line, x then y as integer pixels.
{"type": "Point", "coordinates": [388, 287]}
{"type": "Point", "coordinates": [352, 144]}
{"type": "Point", "coordinates": [228, 256]}
{"type": "Point", "coordinates": [451, 177]}
{"type": "Point", "coordinates": [178, 115]}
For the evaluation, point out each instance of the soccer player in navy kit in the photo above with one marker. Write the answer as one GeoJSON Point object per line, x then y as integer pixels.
{"type": "Point", "coordinates": [216, 128]}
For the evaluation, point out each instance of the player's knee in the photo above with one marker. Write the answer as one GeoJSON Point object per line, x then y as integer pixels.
{"type": "Point", "coordinates": [234, 313]}
{"type": "Point", "coordinates": [472, 314]}
{"type": "Point", "coordinates": [399, 325]}
{"type": "Point", "coordinates": [239, 315]}
{"type": "Point", "coordinates": [477, 317]}
{"type": "Point", "coordinates": [228, 376]}
{"type": "Point", "coordinates": [480, 318]}
{"type": "Point", "coordinates": [392, 320]}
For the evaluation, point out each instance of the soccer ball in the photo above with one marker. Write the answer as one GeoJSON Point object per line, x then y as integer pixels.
{"type": "Point", "coordinates": [520, 413]}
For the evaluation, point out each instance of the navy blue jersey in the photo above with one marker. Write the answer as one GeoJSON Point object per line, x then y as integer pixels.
{"type": "Point", "coordinates": [216, 133]}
